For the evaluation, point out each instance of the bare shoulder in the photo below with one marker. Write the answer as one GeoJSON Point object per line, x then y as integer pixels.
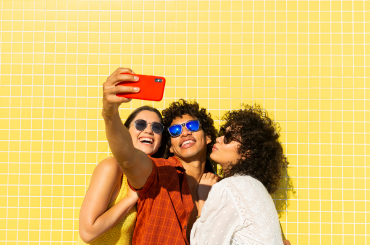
{"type": "Point", "coordinates": [109, 168]}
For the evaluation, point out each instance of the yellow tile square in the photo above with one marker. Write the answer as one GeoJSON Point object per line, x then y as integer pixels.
{"type": "Point", "coordinates": [34, 224]}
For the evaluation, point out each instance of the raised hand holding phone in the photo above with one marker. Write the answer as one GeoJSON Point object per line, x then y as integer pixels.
{"type": "Point", "coordinates": [151, 88]}
{"type": "Point", "coordinates": [111, 101]}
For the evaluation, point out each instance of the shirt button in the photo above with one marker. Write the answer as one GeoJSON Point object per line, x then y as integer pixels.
{"type": "Point", "coordinates": [184, 226]}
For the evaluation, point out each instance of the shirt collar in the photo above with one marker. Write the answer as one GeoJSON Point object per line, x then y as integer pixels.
{"type": "Point", "coordinates": [176, 163]}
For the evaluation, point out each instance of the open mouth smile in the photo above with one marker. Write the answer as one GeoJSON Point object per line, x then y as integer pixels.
{"type": "Point", "coordinates": [186, 143]}
{"type": "Point", "coordinates": [146, 140]}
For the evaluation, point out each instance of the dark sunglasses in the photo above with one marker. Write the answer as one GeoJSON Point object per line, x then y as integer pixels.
{"type": "Point", "coordinates": [141, 124]}
{"type": "Point", "coordinates": [229, 136]}
{"type": "Point", "coordinates": [176, 129]}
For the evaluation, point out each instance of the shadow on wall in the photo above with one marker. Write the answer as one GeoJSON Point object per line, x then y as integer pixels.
{"type": "Point", "coordinates": [284, 193]}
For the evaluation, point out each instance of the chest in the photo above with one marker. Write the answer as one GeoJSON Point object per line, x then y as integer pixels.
{"type": "Point", "coordinates": [170, 190]}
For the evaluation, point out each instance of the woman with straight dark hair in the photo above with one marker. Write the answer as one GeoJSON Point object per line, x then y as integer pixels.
{"type": "Point", "coordinates": [108, 212]}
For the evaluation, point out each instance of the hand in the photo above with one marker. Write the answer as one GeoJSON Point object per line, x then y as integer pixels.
{"type": "Point", "coordinates": [286, 242]}
{"type": "Point", "coordinates": [205, 185]}
{"type": "Point", "coordinates": [132, 194]}
{"type": "Point", "coordinates": [111, 101]}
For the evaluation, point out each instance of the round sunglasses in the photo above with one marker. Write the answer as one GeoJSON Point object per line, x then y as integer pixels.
{"type": "Point", "coordinates": [176, 129]}
{"type": "Point", "coordinates": [228, 135]}
{"type": "Point", "coordinates": [141, 125]}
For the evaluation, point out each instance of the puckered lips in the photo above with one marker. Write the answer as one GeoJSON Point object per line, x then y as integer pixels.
{"type": "Point", "coordinates": [146, 140]}
{"type": "Point", "coordinates": [187, 142]}
{"type": "Point", "coordinates": [214, 148]}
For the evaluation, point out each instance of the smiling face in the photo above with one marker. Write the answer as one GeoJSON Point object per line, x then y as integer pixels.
{"type": "Point", "coordinates": [225, 154]}
{"type": "Point", "coordinates": [146, 140]}
{"type": "Point", "coordinates": [189, 146]}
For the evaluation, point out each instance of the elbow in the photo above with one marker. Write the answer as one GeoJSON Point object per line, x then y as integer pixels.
{"type": "Point", "coordinates": [122, 164]}
{"type": "Point", "coordinates": [129, 162]}
{"type": "Point", "coordinates": [86, 237]}
{"type": "Point", "coordinates": [126, 165]}
{"type": "Point", "coordinates": [115, 164]}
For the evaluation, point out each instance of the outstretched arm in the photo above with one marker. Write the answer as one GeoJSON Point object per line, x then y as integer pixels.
{"type": "Point", "coordinates": [95, 219]}
{"type": "Point", "coordinates": [136, 165]}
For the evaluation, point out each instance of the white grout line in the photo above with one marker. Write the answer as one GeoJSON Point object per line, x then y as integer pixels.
{"type": "Point", "coordinates": [42, 134]}
{"type": "Point", "coordinates": [353, 136]}
{"type": "Point", "coordinates": [365, 143]}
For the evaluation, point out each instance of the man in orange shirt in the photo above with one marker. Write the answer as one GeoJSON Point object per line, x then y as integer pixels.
{"type": "Point", "coordinates": [167, 207]}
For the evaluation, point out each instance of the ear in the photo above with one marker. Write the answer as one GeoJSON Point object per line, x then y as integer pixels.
{"type": "Point", "coordinates": [209, 140]}
{"type": "Point", "coordinates": [246, 155]}
{"type": "Point", "coordinates": [171, 149]}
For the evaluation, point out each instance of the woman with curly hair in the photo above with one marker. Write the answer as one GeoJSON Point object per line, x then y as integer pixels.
{"type": "Point", "coordinates": [239, 209]}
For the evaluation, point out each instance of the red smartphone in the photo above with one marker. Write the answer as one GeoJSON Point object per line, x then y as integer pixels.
{"type": "Point", "coordinates": [151, 88]}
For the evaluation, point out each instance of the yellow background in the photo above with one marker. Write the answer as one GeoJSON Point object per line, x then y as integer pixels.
{"type": "Point", "coordinates": [306, 62]}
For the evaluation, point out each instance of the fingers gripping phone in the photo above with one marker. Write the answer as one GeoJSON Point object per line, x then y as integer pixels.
{"type": "Point", "coordinates": [151, 88]}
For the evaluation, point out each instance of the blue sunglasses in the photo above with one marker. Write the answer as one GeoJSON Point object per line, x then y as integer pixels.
{"type": "Point", "coordinates": [176, 129]}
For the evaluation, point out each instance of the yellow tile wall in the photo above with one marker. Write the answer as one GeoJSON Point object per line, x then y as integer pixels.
{"type": "Point", "coordinates": [306, 62]}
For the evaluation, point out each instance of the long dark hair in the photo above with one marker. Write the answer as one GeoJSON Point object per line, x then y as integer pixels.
{"type": "Point", "coordinates": [132, 116]}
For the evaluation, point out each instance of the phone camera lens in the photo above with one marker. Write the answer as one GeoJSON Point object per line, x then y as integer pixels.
{"type": "Point", "coordinates": [158, 80]}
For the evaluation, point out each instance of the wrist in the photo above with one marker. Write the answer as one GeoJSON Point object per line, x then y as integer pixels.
{"type": "Point", "coordinates": [201, 201]}
{"type": "Point", "coordinates": [133, 197]}
{"type": "Point", "coordinates": [109, 116]}
{"type": "Point", "coordinates": [202, 197]}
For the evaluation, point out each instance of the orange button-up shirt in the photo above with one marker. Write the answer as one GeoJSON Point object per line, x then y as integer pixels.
{"type": "Point", "coordinates": [164, 206]}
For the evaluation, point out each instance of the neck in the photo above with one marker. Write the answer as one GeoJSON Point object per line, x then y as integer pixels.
{"type": "Point", "coordinates": [194, 168]}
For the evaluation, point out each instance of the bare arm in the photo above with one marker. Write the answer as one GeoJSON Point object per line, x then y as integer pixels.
{"type": "Point", "coordinates": [95, 219]}
{"type": "Point", "coordinates": [136, 165]}
{"type": "Point", "coordinates": [205, 185]}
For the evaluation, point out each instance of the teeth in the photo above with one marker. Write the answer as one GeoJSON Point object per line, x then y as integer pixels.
{"type": "Point", "coordinates": [186, 142]}
{"type": "Point", "coordinates": [146, 140]}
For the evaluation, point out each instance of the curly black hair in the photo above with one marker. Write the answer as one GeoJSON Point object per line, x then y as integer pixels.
{"type": "Point", "coordinates": [191, 108]}
{"type": "Point", "coordinates": [261, 152]}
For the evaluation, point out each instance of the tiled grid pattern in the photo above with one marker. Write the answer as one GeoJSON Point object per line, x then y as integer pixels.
{"type": "Point", "coordinates": [306, 62]}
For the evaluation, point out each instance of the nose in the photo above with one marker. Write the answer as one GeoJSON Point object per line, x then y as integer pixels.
{"type": "Point", "coordinates": [148, 129]}
{"type": "Point", "coordinates": [220, 139]}
{"type": "Point", "coordinates": [185, 131]}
